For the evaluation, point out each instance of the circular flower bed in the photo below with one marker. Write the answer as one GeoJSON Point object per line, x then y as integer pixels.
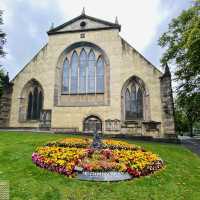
{"type": "Point", "coordinates": [67, 155]}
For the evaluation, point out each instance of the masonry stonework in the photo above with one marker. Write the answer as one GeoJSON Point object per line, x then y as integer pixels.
{"type": "Point", "coordinates": [167, 103]}
{"type": "Point", "coordinates": [124, 63]}
{"type": "Point", "coordinates": [5, 106]}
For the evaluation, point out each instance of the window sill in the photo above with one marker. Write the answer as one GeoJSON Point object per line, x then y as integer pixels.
{"type": "Point", "coordinates": [81, 94]}
{"type": "Point", "coordinates": [134, 121]}
{"type": "Point", "coordinates": [32, 121]}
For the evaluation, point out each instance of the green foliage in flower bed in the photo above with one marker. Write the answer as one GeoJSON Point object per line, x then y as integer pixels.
{"type": "Point", "coordinates": [86, 142]}
{"type": "Point", "coordinates": [180, 180]}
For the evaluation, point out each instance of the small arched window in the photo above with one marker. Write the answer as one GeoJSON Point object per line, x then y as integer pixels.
{"type": "Point", "coordinates": [82, 71]}
{"type": "Point", "coordinates": [91, 124]}
{"type": "Point", "coordinates": [100, 76]}
{"type": "Point", "coordinates": [91, 72]}
{"type": "Point", "coordinates": [65, 76]}
{"type": "Point", "coordinates": [74, 73]}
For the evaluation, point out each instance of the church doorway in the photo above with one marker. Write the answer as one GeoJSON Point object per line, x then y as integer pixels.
{"type": "Point", "coordinates": [91, 124]}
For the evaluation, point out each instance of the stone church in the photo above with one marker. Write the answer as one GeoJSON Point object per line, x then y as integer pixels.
{"type": "Point", "coordinates": [88, 77]}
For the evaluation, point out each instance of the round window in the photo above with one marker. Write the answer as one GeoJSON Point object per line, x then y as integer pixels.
{"type": "Point", "coordinates": [83, 24]}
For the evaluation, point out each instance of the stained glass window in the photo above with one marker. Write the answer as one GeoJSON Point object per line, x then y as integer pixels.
{"type": "Point", "coordinates": [74, 73]}
{"type": "Point", "coordinates": [133, 102]}
{"type": "Point", "coordinates": [91, 72]}
{"type": "Point", "coordinates": [140, 103]}
{"type": "Point", "coordinates": [66, 76]}
{"type": "Point", "coordinates": [30, 104]}
{"type": "Point", "coordinates": [127, 103]}
{"type": "Point", "coordinates": [82, 71]}
{"type": "Point", "coordinates": [100, 76]}
{"type": "Point", "coordinates": [35, 101]}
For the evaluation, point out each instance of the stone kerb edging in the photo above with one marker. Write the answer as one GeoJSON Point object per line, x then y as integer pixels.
{"type": "Point", "coordinates": [103, 176]}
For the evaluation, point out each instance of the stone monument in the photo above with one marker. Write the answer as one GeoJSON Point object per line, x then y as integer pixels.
{"type": "Point", "coordinates": [97, 140]}
{"type": "Point", "coordinates": [100, 176]}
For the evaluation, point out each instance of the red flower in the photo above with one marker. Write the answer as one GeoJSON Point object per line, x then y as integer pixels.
{"type": "Point", "coordinates": [133, 172]}
{"type": "Point", "coordinates": [107, 153]}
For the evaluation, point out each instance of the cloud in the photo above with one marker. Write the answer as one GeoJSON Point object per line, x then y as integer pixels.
{"type": "Point", "coordinates": [172, 9]}
{"type": "Point", "coordinates": [42, 4]}
{"type": "Point", "coordinates": [7, 16]}
{"type": "Point", "coordinates": [139, 18]}
{"type": "Point", "coordinates": [26, 23]}
{"type": "Point", "coordinates": [33, 30]}
{"type": "Point", "coordinates": [26, 31]}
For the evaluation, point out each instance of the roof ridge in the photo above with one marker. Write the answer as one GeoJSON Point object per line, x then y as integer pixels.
{"type": "Point", "coordinates": [83, 15]}
{"type": "Point", "coordinates": [141, 55]}
{"type": "Point", "coordinates": [32, 58]}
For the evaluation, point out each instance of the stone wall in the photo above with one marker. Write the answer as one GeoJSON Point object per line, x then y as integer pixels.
{"type": "Point", "coordinates": [124, 61]}
{"type": "Point", "coordinates": [5, 106]}
{"type": "Point", "coordinates": [167, 104]}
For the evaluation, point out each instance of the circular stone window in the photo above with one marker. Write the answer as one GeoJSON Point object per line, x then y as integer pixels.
{"type": "Point", "coordinates": [83, 24]}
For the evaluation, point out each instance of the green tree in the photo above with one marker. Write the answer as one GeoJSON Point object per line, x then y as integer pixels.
{"type": "Point", "coordinates": [2, 54]}
{"type": "Point", "coordinates": [2, 36]}
{"type": "Point", "coordinates": [181, 120]}
{"type": "Point", "coordinates": [187, 112]}
{"type": "Point", "coordinates": [182, 48]}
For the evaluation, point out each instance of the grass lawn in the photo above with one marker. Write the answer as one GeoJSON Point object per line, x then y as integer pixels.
{"type": "Point", "coordinates": [179, 180]}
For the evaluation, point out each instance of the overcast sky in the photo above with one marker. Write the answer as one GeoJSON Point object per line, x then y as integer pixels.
{"type": "Point", "coordinates": [26, 23]}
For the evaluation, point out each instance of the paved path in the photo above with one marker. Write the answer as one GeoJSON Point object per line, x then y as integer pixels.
{"type": "Point", "coordinates": [192, 144]}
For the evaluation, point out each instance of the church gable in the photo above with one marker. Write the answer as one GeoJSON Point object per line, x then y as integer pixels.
{"type": "Point", "coordinates": [97, 80]}
{"type": "Point", "coordinates": [84, 23]}
{"type": "Point", "coordinates": [127, 48]}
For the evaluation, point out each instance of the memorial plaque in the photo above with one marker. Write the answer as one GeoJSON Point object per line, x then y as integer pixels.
{"type": "Point", "coordinates": [104, 176]}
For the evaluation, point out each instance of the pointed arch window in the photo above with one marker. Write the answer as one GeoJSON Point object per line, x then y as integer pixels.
{"type": "Point", "coordinates": [65, 77]}
{"type": "Point", "coordinates": [35, 102]}
{"type": "Point", "coordinates": [100, 76]}
{"type": "Point", "coordinates": [82, 71]}
{"type": "Point", "coordinates": [74, 73]}
{"type": "Point", "coordinates": [91, 72]}
{"type": "Point", "coordinates": [133, 102]}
